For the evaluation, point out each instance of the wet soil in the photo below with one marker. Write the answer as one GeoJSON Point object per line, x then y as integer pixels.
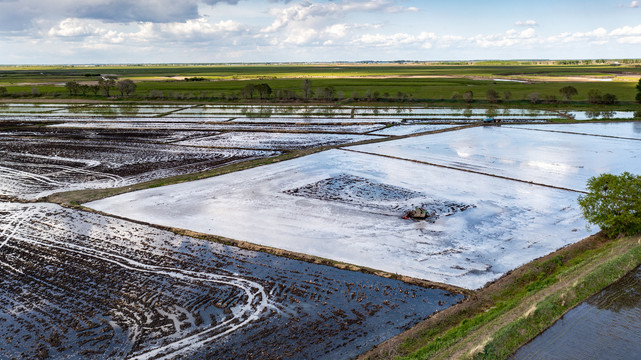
{"type": "Point", "coordinates": [76, 284]}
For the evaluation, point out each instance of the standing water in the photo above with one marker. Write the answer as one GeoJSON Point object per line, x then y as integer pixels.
{"type": "Point", "coordinates": [606, 326]}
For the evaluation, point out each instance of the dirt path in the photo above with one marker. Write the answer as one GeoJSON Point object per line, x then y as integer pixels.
{"type": "Point", "coordinates": [476, 340]}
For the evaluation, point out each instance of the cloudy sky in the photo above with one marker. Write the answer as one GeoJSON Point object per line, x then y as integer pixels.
{"type": "Point", "coordinates": [170, 31]}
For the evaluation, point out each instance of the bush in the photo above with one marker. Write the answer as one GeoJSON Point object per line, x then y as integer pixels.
{"type": "Point", "coordinates": [614, 203]}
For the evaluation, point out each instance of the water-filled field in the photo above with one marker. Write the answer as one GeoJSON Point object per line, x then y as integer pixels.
{"type": "Point", "coordinates": [37, 164]}
{"type": "Point", "coordinates": [81, 285]}
{"type": "Point", "coordinates": [550, 158]}
{"type": "Point", "coordinates": [350, 207]}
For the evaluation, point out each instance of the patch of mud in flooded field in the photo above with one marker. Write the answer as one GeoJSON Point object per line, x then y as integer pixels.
{"type": "Point", "coordinates": [32, 167]}
{"type": "Point", "coordinates": [606, 326]}
{"type": "Point", "coordinates": [81, 285]}
{"type": "Point", "coordinates": [350, 207]}
{"type": "Point", "coordinates": [202, 125]}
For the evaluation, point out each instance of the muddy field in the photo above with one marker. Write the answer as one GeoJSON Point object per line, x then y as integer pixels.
{"type": "Point", "coordinates": [36, 163]}
{"type": "Point", "coordinates": [83, 285]}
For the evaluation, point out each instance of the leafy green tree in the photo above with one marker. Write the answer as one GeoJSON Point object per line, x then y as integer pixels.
{"type": "Point", "coordinates": [248, 91]}
{"type": "Point", "coordinates": [638, 97]}
{"type": "Point", "coordinates": [73, 87]}
{"type": "Point", "coordinates": [639, 86]}
{"type": "Point", "coordinates": [609, 99]}
{"type": "Point", "coordinates": [3, 91]}
{"type": "Point", "coordinates": [614, 203]}
{"type": "Point", "coordinates": [264, 90]}
{"type": "Point", "coordinates": [567, 92]}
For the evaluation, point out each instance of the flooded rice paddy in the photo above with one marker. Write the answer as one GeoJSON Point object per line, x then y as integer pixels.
{"type": "Point", "coordinates": [550, 158]}
{"type": "Point", "coordinates": [316, 206]}
{"type": "Point", "coordinates": [76, 285]}
{"type": "Point", "coordinates": [606, 326]}
{"type": "Point", "coordinates": [37, 163]}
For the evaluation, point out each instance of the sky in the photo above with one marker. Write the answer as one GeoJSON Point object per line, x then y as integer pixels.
{"type": "Point", "coordinates": [244, 31]}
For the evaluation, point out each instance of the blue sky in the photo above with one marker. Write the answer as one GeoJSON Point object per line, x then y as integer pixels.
{"type": "Point", "coordinates": [204, 31]}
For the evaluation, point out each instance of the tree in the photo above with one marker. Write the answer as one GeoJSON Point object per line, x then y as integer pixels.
{"type": "Point", "coordinates": [3, 91]}
{"type": "Point", "coordinates": [94, 89]}
{"type": "Point", "coordinates": [639, 86]}
{"type": "Point", "coordinates": [638, 97]}
{"type": "Point", "coordinates": [106, 83]}
{"type": "Point", "coordinates": [614, 203]}
{"type": "Point", "coordinates": [492, 96]}
{"type": "Point", "coordinates": [307, 88]}
{"type": "Point", "coordinates": [264, 90]}
{"type": "Point", "coordinates": [567, 92]}
{"type": "Point", "coordinates": [248, 91]}
{"type": "Point", "coordinates": [73, 87]}
{"type": "Point", "coordinates": [594, 96]}
{"type": "Point", "coordinates": [534, 97]}
{"type": "Point", "coordinates": [126, 87]}
{"type": "Point", "coordinates": [609, 99]}
{"type": "Point", "coordinates": [468, 96]}
{"type": "Point", "coordinates": [507, 94]}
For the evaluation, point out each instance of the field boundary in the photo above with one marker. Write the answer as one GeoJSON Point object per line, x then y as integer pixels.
{"type": "Point", "coordinates": [507, 313]}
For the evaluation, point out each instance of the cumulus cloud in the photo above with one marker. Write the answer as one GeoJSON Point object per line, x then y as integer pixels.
{"type": "Point", "coordinates": [634, 4]}
{"type": "Point", "coordinates": [21, 14]}
{"type": "Point", "coordinates": [71, 27]}
{"type": "Point", "coordinates": [306, 11]}
{"type": "Point", "coordinates": [528, 23]}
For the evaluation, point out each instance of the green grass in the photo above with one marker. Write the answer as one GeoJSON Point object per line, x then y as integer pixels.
{"type": "Point", "coordinates": [540, 275]}
{"type": "Point", "coordinates": [347, 79]}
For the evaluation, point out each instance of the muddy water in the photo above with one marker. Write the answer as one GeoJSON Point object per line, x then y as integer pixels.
{"type": "Point", "coordinates": [606, 326]}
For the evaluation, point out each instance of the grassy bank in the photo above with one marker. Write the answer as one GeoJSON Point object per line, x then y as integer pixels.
{"type": "Point", "coordinates": [503, 316]}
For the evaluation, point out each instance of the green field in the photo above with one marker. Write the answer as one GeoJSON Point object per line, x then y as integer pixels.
{"type": "Point", "coordinates": [350, 82]}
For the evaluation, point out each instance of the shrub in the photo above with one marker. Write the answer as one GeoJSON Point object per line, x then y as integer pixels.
{"type": "Point", "coordinates": [614, 203]}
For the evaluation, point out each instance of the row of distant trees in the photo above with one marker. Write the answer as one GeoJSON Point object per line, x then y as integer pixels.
{"type": "Point", "coordinates": [567, 93]}
{"type": "Point", "coordinates": [105, 85]}
{"type": "Point", "coordinates": [263, 91]}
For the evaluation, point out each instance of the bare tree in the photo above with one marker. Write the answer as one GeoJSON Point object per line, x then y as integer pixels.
{"type": "Point", "coordinates": [126, 87]}
{"type": "Point", "coordinates": [106, 83]}
{"type": "Point", "coordinates": [468, 96]}
{"type": "Point", "coordinates": [534, 97]}
{"type": "Point", "coordinates": [307, 88]}
{"type": "Point", "coordinates": [492, 96]}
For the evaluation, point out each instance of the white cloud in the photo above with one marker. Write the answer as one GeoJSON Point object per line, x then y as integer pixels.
{"type": "Point", "coordinates": [336, 30]}
{"type": "Point", "coordinates": [634, 4]}
{"type": "Point", "coordinates": [626, 31]}
{"type": "Point", "coordinates": [528, 23]}
{"type": "Point", "coordinates": [71, 27]}
{"type": "Point", "coordinates": [306, 11]}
